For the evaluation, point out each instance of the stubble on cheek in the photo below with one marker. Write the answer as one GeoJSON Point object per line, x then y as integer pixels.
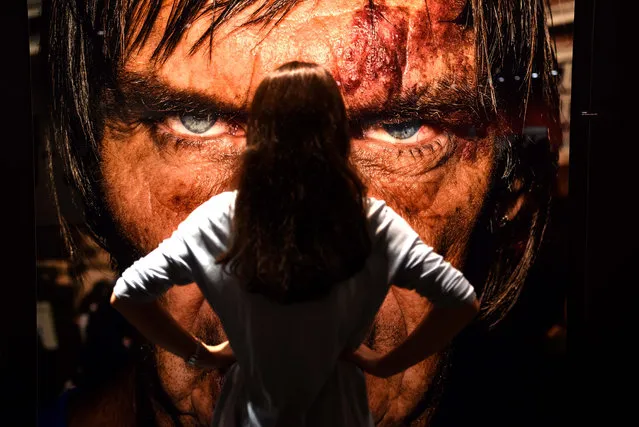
{"type": "Point", "coordinates": [442, 204]}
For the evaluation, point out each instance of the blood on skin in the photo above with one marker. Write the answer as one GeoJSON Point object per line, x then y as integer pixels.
{"type": "Point", "coordinates": [383, 37]}
{"type": "Point", "coordinates": [372, 55]}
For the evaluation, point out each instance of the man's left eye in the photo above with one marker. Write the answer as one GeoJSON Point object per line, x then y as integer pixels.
{"type": "Point", "coordinates": [402, 130]}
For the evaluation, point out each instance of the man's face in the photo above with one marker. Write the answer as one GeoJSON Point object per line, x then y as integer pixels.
{"type": "Point", "coordinates": [396, 65]}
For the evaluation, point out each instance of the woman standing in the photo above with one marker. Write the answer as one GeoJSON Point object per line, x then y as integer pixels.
{"type": "Point", "coordinates": [296, 263]}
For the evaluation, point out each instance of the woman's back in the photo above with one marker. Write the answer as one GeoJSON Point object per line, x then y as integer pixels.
{"type": "Point", "coordinates": [288, 354]}
{"type": "Point", "coordinates": [288, 361]}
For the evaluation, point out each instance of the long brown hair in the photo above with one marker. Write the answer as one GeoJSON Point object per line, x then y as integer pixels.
{"type": "Point", "coordinates": [300, 222]}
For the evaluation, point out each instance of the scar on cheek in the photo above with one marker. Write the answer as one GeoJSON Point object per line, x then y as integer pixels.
{"type": "Point", "coordinates": [376, 51]}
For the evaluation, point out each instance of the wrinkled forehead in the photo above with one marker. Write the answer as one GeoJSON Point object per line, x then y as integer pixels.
{"type": "Point", "coordinates": [374, 52]}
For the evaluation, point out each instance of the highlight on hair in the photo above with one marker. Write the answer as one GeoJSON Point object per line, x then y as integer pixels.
{"type": "Point", "coordinates": [300, 223]}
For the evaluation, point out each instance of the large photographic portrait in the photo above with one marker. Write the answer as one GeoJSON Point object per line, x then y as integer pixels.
{"type": "Point", "coordinates": [459, 118]}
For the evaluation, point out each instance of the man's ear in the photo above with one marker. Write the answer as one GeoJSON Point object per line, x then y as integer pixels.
{"type": "Point", "coordinates": [542, 138]}
{"type": "Point", "coordinates": [512, 205]}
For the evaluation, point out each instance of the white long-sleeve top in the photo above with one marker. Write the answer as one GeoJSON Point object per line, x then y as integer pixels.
{"type": "Point", "coordinates": [288, 355]}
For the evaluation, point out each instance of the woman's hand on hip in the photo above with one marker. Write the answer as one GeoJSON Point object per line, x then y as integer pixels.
{"type": "Point", "coordinates": [218, 356]}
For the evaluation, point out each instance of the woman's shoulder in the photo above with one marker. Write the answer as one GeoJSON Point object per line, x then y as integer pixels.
{"type": "Point", "coordinates": [375, 208]}
{"type": "Point", "coordinates": [384, 220]}
{"type": "Point", "coordinates": [219, 204]}
{"type": "Point", "coordinates": [223, 199]}
{"type": "Point", "coordinates": [216, 212]}
{"type": "Point", "coordinates": [374, 204]}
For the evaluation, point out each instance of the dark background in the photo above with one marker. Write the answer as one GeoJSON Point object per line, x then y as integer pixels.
{"type": "Point", "coordinates": [593, 233]}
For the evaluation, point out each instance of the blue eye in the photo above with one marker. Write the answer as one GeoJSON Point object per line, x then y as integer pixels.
{"type": "Point", "coordinates": [403, 130]}
{"type": "Point", "coordinates": [197, 124]}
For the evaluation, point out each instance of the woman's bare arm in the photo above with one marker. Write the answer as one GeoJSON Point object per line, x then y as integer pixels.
{"type": "Point", "coordinates": [160, 328]}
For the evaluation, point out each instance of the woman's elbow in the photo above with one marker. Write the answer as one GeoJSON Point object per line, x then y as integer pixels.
{"type": "Point", "coordinates": [475, 305]}
{"type": "Point", "coordinates": [472, 308]}
{"type": "Point", "coordinates": [115, 301]}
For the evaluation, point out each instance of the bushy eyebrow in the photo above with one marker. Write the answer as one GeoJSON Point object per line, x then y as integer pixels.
{"type": "Point", "coordinates": [444, 104]}
{"type": "Point", "coordinates": [146, 95]}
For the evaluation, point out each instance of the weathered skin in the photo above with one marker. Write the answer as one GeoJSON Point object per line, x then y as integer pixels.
{"type": "Point", "coordinates": [437, 179]}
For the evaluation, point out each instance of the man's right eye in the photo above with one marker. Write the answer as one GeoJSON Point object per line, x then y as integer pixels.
{"type": "Point", "coordinates": [403, 130]}
{"type": "Point", "coordinates": [190, 127]}
{"type": "Point", "coordinates": [197, 125]}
